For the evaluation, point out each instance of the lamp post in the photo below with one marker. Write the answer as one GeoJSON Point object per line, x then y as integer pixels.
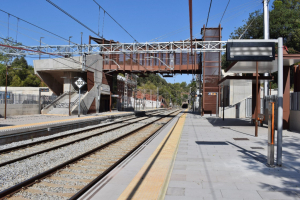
{"type": "Point", "coordinates": [40, 46]}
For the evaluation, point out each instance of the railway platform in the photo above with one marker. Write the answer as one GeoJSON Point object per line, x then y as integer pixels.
{"type": "Point", "coordinates": [22, 127]}
{"type": "Point", "coordinates": [196, 157]}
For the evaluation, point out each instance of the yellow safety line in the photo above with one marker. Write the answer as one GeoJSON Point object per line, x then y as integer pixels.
{"type": "Point", "coordinates": [42, 123]}
{"type": "Point", "coordinates": [151, 181]}
{"type": "Point", "coordinates": [49, 122]}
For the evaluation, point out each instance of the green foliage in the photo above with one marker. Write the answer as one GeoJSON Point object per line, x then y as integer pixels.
{"type": "Point", "coordinates": [19, 72]}
{"type": "Point", "coordinates": [177, 92]}
{"type": "Point", "coordinates": [284, 22]}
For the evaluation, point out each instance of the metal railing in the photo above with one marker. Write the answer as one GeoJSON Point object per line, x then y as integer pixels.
{"type": "Point", "coordinates": [26, 99]}
{"type": "Point", "coordinates": [295, 101]}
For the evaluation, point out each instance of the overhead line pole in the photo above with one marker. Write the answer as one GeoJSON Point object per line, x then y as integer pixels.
{"type": "Point", "coordinates": [280, 101]}
{"type": "Point", "coordinates": [266, 37]}
{"type": "Point", "coordinates": [191, 26]}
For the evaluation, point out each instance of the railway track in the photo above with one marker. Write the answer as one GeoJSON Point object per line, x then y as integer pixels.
{"type": "Point", "coordinates": [16, 153]}
{"type": "Point", "coordinates": [68, 179]}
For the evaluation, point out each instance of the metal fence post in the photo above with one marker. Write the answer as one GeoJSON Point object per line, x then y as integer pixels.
{"type": "Point", "coordinates": [280, 102]}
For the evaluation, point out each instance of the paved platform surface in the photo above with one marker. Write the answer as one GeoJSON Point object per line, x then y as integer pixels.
{"type": "Point", "coordinates": [31, 119]}
{"type": "Point", "coordinates": [208, 164]}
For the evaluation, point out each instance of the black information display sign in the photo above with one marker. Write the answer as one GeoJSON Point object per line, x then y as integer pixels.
{"type": "Point", "coordinates": [250, 51]}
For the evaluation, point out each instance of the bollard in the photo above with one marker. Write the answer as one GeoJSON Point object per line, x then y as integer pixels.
{"type": "Point", "coordinates": [271, 134]}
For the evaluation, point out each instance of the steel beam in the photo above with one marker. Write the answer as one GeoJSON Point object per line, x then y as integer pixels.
{"type": "Point", "coordinates": [115, 48]}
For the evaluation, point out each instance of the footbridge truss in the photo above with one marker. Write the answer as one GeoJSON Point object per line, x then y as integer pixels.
{"type": "Point", "coordinates": [116, 48]}
{"type": "Point", "coordinates": [159, 57]}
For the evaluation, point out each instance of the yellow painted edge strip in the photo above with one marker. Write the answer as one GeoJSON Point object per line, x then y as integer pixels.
{"type": "Point", "coordinates": [164, 189]}
{"type": "Point", "coordinates": [42, 123]}
{"type": "Point", "coordinates": [152, 185]}
{"type": "Point", "coordinates": [49, 122]}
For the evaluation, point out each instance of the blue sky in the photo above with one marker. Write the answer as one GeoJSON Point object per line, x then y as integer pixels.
{"type": "Point", "coordinates": [143, 19]}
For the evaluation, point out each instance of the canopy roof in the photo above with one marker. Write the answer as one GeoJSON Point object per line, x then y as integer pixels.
{"type": "Point", "coordinates": [242, 80]}
{"type": "Point", "coordinates": [263, 67]}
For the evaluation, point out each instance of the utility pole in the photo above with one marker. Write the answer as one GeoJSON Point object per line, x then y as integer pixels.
{"type": "Point", "coordinates": [69, 44]}
{"type": "Point", "coordinates": [70, 94]}
{"type": "Point", "coordinates": [40, 46]}
{"type": "Point", "coordinates": [266, 37]}
{"type": "Point", "coordinates": [200, 94]}
{"type": "Point", "coordinates": [157, 98]}
{"type": "Point", "coordinates": [151, 97]}
{"type": "Point", "coordinates": [5, 92]}
{"type": "Point", "coordinates": [81, 42]}
{"type": "Point", "coordinates": [190, 99]}
{"type": "Point", "coordinates": [280, 102]}
{"type": "Point", "coordinates": [144, 99]}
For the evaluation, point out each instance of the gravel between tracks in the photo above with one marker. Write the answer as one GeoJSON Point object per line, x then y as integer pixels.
{"type": "Point", "coordinates": [66, 182]}
{"type": "Point", "coordinates": [14, 144]}
{"type": "Point", "coordinates": [36, 148]}
{"type": "Point", "coordinates": [17, 172]}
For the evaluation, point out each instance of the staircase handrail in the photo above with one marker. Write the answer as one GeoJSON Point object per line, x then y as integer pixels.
{"type": "Point", "coordinates": [56, 101]}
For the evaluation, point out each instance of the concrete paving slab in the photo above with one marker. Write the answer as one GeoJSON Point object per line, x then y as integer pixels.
{"type": "Point", "coordinates": [122, 176]}
{"type": "Point", "coordinates": [233, 194]}
{"type": "Point", "coordinates": [176, 191]}
{"type": "Point", "coordinates": [278, 195]}
{"type": "Point", "coordinates": [218, 167]}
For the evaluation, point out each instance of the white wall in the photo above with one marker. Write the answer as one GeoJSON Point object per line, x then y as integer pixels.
{"type": "Point", "coordinates": [19, 109]}
{"type": "Point", "coordinates": [238, 93]}
{"type": "Point", "coordinates": [233, 112]}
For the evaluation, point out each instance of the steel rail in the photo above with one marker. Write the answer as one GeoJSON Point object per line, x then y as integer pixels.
{"type": "Point", "coordinates": [67, 143]}
{"type": "Point", "coordinates": [62, 136]}
{"type": "Point", "coordinates": [103, 174]}
{"type": "Point", "coordinates": [31, 181]}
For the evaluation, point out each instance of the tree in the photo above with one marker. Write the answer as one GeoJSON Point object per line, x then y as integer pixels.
{"type": "Point", "coordinates": [284, 22]}
{"type": "Point", "coordinates": [19, 73]}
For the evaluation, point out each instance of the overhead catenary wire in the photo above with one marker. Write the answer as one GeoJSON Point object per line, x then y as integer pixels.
{"type": "Point", "coordinates": [24, 35]}
{"type": "Point", "coordinates": [208, 13]}
{"type": "Point", "coordinates": [249, 25]}
{"type": "Point", "coordinates": [48, 35]}
{"type": "Point", "coordinates": [241, 12]}
{"type": "Point", "coordinates": [65, 12]}
{"type": "Point", "coordinates": [99, 22]}
{"type": "Point", "coordinates": [224, 12]}
{"type": "Point", "coordinates": [17, 30]}
{"type": "Point", "coordinates": [103, 22]}
{"type": "Point", "coordinates": [200, 21]}
{"type": "Point", "coordinates": [235, 15]}
{"type": "Point", "coordinates": [37, 26]}
{"type": "Point", "coordinates": [114, 21]}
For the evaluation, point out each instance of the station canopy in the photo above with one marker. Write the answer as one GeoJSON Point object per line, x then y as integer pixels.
{"type": "Point", "coordinates": [242, 80]}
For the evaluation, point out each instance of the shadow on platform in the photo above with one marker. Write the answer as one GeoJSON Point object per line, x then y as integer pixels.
{"type": "Point", "coordinates": [229, 122]}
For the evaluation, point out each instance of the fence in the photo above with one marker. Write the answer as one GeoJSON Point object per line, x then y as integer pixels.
{"type": "Point", "coordinates": [295, 101]}
{"type": "Point", "coordinates": [26, 99]}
